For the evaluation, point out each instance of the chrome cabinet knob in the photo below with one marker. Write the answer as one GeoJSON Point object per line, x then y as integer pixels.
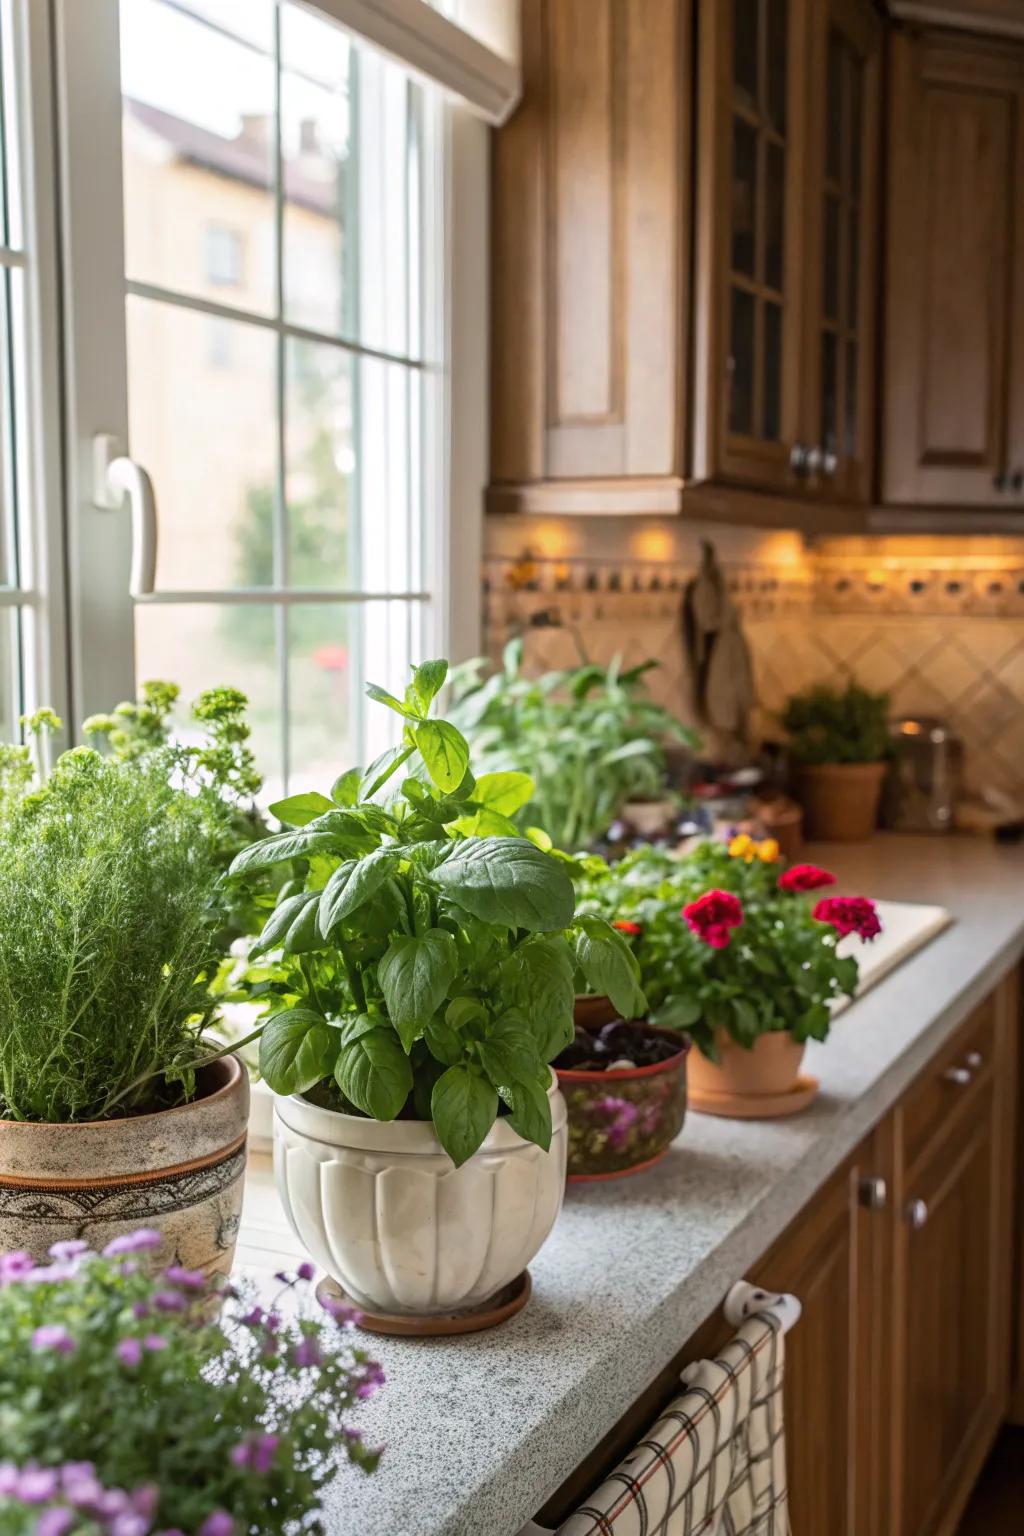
{"type": "Point", "coordinates": [975, 1060]}
{"type": "Point", "coordinates": [829, 463]}
{"type": "Point", "coordinates": [1017, 481]}
{"type": "Point", "coordinates": [916, 1214]}
{"type": "Point", "coordinates": [798, 456]}
{"type": "Point", "coordinates": [874, 1193]}
{"type": "Point", "coordinates": [1002, 482]}
{"type": "Point", "coordinates": [815, 460]}
{"type": "Point", "coordinates": [958, 1075]}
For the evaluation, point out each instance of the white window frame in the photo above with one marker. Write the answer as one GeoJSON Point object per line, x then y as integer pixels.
{"type": "Point", "coordinates": [87, 74]}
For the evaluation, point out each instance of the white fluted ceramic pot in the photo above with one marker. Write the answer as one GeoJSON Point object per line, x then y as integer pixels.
{"type": "Point", "coordinates": [382, 1208]}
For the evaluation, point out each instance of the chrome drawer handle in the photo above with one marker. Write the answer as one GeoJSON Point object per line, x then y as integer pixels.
{"type": "Point", "coordinates": [874, 1193]}
{"type": "Point", "coordinates": [959, 1075]}
{"type": "Point", "coordinates": [916, 1214]}
{"type": "Point", "coordinates": [975, 1060]}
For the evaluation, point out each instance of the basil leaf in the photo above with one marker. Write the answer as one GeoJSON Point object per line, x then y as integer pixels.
{"type": "Point", "coordinates": [504, 793]}
{"type": "Point", "coordinates": [508, 1052]}
{"type": "Point", "coordinates": [414, 975]}
{"type": "Point", "coordinates": [381, 769]}
{"type": "Point", "coordinates": [444, 751]}
{"type": "Point", "coordinates": [427, 681]}
{"type": "Point", "coordinates": [678, 1013]}
{"type": "Point", "coordinates": [297, 1049]}
{"type": "Point", "coordinates": [374, 1074]}
{"type": "Point", "coordinates": [507, 880]}
{"type": "Point", "coordinates": [298, 810]}
{"type": "Point", "coordinates": [381, 696]}
{"type": "Point", "coordinates": [537, 978]}
{"type": "Point", "coordinates": [291, 925]}
{"type": "Point", "coordinates": [443, 1041]}
{"type": "Point", "coordinates": [530, 1111]}
{"type": "Point", "coordinates": [463, 1107]}
{"type": "Point", "coordinates": [345, 789]}
{"type": "Point", "coordinates": [352, 1026]}
{"type": "Point", "coordinates": [609, 966]}
{"type": "Point", "coordinates": [314, 838]}
{"type": "Point", "coordinates": [352, 884]}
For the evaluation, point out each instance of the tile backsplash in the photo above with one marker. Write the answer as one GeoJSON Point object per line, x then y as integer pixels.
{"type": "Point", "coordinates": [939, 623]}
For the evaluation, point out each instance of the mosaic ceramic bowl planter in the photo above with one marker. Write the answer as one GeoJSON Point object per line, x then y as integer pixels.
{"type": "Point", "coordinates": [623, 1120]}
{"type": "Point", "coordinates": [180, 1171]}
{"type": "Point", "coordinates": [381, 1207]}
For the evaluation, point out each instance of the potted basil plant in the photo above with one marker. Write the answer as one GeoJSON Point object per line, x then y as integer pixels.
{"type": "Point", "coordinates": [418, 979]}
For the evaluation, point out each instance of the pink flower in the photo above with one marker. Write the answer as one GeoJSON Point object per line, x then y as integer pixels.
{"type": "Point", "coordinates": [53, 1336]}
{"type": "Point", "coordinates": [55, 1522]}
{"type": "Point", "coordinates": [71, 1248]}
{"type": "Point", "coordinates": [712, 916]}
{"type": "Point", "coordinates": [154, 1343]}
{"type": "Point", "coordinates": [219, 1523]}
{"type": "Point", "coordinates": [142, 1240]}
{"type": "Point", "coordinates": [188, 1279]}
{"type": "Point", "coordinates": [305, 1271]}
{"type": "Point", "coordinates": [849, 914]}
{"type": "Point", "coordinates": [805, 877]}
{"type": "Point", "coordinates": [14, 1265]}
{"type": "Point", "coordinates": [129, 1352]}
{"type": "Point", "coordinates": [169, 1301]}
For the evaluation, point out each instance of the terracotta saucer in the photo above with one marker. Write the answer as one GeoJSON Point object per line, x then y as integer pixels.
{"type": "Point", "coordinates": [755, 1106]}
{"type": "Point", "coordinates": [497, 1309]}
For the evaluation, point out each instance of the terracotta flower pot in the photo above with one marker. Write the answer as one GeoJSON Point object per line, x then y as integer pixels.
{"type": "Point", "coordinates": [840, 800]}
{"type": "Point", "coordinates": [772, 1066]}
{"type": "Point", "coordinates": [381, 1207]}
{"type": "Point", "coordinates": [180, 1171]}
{"type": "Point", "coordinates": [590, 1011]}
{"type": "Point", "coordinates": [623, 1121]}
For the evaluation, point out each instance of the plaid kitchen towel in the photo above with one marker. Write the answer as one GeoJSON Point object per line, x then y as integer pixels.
{"type": "Point", "coordinates": [715, 1462]}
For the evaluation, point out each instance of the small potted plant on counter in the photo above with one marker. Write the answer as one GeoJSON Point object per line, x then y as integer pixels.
{"type": "Point", "coordinates": [840, 745]}
{"type": "Point", "coordinates": [134, 1402]}
{"type": "Point", "coordinates": [421, 980]}
{"type": "Point", "coordinates": [590, 737]}
{"type": "Point", "coordinates": [114, 1105]}
{"type": "Point", "coordinates": [739, 952]}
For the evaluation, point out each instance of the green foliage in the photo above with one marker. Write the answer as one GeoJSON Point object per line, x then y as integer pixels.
{"type": "Point", "coordinates": [589, 737]}
{"type": "Point", "coordinates": [418, 968]}
{"type": "Point", "coordinates": [152, 1393]}
{"type": "Point", "coordinates": [829, 726]}
{"type": "Point", "coordinates": [105, 939]}
{"type": "Point", "coordinates": [779, 972]}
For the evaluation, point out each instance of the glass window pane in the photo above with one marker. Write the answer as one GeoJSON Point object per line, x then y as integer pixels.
{"type": "Point", "coordinates": [10, 674]}
{"type": "Point", "coordinates": [741, 363]}
{"type": "Point", "coordinates": [829, 391]}
{"type": "Point", "coordinates": [205, 645]}
{"type": "Point", "coordinates": [251, 21]}
{"type": "Point", "coordinates": [851, 401]}
{"type": "Point", "coordinates": [199, 155]}
{"type": "Point", "coordinates": [745, 48]}
{"type": "Point", "coordinates": [320, 465]}
{"type": "Point", "coordinates": [834, 109]}
{"type": "Point", "coordinates": [325, 671]}
{"type": "Point", "coordinates": [830, 297]}
{"type": "Point", "coordinates": [744, 197]}
{"type": "Point", "coordinates": [320, 185]}
{"type": "Point", "coordinates": [775, 214]}
{"type": "Point", "coordinates": [777, 43]}
{"type": "Point", "coordinates": [855, 83]}
{"type": "Point", "coordinates": [852, 266]}
{"type": "Point", "coordinates": [772, 381]}
{"type": "Point", "coordinates": [11, 226]}
{"type": "Point", "coordinates": [202, 397]}
{"type": "Point", "coordinates": [9, 434]}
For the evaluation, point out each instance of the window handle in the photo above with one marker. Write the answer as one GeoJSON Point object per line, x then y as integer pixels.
{"type": "Point", "coordinates": [116, 478]}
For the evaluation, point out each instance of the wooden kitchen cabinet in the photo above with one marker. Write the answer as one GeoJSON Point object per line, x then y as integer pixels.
{"type": "Point", "coordinates": [954, 277]}
{"type": "Point", "coordinates": [952, 1355]}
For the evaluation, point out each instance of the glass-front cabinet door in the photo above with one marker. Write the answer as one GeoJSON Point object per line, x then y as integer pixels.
{"type": "Point", "coordinates": [834, 453]}
{"type": "Point", "coordinates": [751, 146]}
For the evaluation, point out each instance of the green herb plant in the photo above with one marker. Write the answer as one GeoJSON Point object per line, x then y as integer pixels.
{"type": "Point", "coordinates": [780, 971]}
{"type": "Point", "coordinates": [590, 736]}
{"type": "Point", "coordinates": [829, 725]}
{"type": "Point", "coordinates": [425, 963]}
{"type": "Point", "coordinates": [106, 940]}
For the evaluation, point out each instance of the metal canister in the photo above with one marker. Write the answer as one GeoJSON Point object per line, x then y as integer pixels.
{"type": "Point", "coordinates": [924, 776]}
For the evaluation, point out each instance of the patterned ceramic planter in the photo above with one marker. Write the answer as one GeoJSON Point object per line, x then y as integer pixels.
{"type": "Point", "coordinates": [622, 1121]}
{"type": "Point", "coordinates": [180, 1171]}
{"type": "Point", "coordinates": [382, 1208]}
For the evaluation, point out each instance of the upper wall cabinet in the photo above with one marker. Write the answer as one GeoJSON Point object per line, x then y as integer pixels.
{"type": "Point", "coordinates": [954, 353]}
{"type": "Point", "coordinates": [589, 259]}
{"type": "Point", "coordinates": [787, 145]}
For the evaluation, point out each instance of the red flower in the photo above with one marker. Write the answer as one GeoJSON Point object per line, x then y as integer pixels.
{"type": "Point", "coordinates": [633, 929]}
{"type": "Point", "coordinates": [849, 914]}
{"type": "Point", "coordinates": [712, 915]}
{"type": "Point", "coordinates": [805, 877]}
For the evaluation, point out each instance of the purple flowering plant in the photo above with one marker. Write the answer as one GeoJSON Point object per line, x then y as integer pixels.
{"type": "Point", "coordinates": [140, 1402]}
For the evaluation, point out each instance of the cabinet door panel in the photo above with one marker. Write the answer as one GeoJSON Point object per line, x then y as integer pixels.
{"type": "Point", "coordinates": [750, 147]}
{"type": "Point", "coordinates": [842, 228]}
{"type": "Point", "coordinates": [950, 261]}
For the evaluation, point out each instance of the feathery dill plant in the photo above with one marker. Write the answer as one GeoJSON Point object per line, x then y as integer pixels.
{"type": "Point", "coordinates": [106, 939]}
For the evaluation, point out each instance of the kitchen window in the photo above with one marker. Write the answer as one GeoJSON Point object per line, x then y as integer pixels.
{"type": "Point", "coordinates": [258, 238]}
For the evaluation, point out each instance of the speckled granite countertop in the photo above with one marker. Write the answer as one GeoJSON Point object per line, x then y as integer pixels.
{"type": "Point", "coordinates": [481, 1431]}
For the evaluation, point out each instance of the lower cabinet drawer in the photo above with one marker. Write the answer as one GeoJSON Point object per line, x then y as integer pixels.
{"type": "Point", "coordinates": [955, 1076]}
